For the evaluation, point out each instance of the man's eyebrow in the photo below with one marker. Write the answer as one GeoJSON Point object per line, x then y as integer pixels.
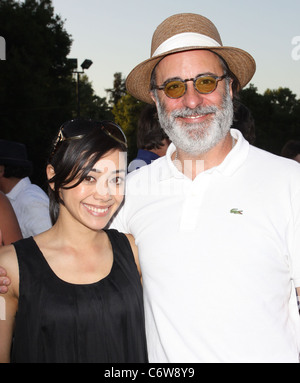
{"type": "Point", "coordinates": [182, 79]}
{"type": "Point", "coordinates": [173, 79]}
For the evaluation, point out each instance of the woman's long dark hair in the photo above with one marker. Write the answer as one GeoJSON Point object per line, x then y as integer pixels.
{"type": "Point", "coordinates": [73, 159]}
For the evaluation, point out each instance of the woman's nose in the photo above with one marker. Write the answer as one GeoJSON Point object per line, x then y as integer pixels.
{"type": "Point", "coordinates": [102, 191]}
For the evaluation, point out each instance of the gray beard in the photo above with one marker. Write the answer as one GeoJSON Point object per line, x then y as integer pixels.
{"type": "Point", "coordinates": [197, 138]}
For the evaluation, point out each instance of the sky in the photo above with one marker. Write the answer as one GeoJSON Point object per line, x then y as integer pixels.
{"type": "Point", "coordinates": [116, 35]}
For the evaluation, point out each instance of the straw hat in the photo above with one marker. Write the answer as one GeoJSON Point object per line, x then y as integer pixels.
{"type": "Point", "coordinates": [184, 32]}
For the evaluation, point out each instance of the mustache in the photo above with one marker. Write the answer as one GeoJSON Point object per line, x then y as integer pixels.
{"type": "Point", "coordinates": [187, 112]}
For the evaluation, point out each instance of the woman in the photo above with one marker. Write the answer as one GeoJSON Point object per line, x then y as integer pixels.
{"type": "Point", "coordinates": [9, 227]}
{"type": "Point", "coordinates": [64, 314]}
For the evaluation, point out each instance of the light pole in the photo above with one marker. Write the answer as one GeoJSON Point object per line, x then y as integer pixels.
{"type": "Point", "coordinates": [85, 65]}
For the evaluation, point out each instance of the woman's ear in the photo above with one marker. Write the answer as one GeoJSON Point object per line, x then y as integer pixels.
{"type": "Point", "coordinates": [50, 174]}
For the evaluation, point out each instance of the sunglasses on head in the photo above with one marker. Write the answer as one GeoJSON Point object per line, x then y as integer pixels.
{"type": "Point", "coordinates": [203, 84]}
{"type": "Point", "coordinates": [77, 129]}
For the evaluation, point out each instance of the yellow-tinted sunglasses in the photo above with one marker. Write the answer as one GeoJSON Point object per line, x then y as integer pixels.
{"type": "Point", "coordinates": [203, 84]}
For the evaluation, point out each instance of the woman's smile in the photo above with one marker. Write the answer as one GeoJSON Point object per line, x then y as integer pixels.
{"type": "Point", "coordinates": [99, 211]}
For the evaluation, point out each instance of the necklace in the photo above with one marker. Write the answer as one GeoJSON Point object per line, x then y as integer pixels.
{"type": "Point", "coordinates": [176, 156]}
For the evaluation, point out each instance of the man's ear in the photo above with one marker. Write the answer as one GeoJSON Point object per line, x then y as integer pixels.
{"type": "Point", "coordinates": [153, 97]}
{"type": "Point", "coordinates": [230, 88]}
{"type": "Point", "coordinates": [50, 174]}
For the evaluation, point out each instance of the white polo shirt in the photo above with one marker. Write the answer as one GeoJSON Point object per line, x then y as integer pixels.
{"type": "Point", "coordinates": [31, 205]}
{"type": "Point", "coordinates": [220, 257]}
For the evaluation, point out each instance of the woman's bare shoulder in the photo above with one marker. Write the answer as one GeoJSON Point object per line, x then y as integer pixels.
{"type": "Point", "coordinates": [8, 253]}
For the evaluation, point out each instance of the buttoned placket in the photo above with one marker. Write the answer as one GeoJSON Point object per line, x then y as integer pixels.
{"type": "Point", "coordinates": [195, 192]}
{"type": "Point", "coordinates": [194, 199]}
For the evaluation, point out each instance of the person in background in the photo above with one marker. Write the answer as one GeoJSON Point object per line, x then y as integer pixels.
{"type": "Point", "coordinates": [9, 227]}
{"type": "Point", "coordinates": [77, 287]}
{"type": "Point", "coordinates": [244, 121]}
{"type": "Point", "coordinates": [152, 141]}
{"type": "Point", "coordinates": [29, 201]}
{"type": "Point", "coordinates": [291, 150]}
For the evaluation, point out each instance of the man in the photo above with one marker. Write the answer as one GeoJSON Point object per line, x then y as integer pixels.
{"type": "Point", "coordinates": [30, 202]}
{"type": "Point", "coordinates": [217, 221]}
{"type": "Point", "coordinates": [152, 141]}
{"type": "Point", "coordinates": [244, 121]}
{"type": "Point", "coordinates": [291, 150]}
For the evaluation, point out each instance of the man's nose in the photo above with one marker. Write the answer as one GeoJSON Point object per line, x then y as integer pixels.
{"type": "Point", "coordinates": [192, 98]}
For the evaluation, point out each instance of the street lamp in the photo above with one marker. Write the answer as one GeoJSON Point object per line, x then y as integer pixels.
{"type": "Point", "coordinates": [85, 65]}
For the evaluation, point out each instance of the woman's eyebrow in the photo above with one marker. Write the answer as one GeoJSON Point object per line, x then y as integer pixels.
{"type": "Point", "coordinates": [114, 172]}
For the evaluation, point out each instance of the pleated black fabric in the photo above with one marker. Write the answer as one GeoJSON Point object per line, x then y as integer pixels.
{"type": "Point", "coordinates": [60, 322]}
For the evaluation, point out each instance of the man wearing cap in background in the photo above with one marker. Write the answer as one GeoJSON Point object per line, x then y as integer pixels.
{"type": "Point", "coordinates": [29, 201]}
{"type": "Point", "coordinates": [216, 221]}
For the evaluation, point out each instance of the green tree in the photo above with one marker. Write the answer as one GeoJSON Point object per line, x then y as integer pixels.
{"type": "Point", "coordinates": [276, 114]}
{"type": "Point", "coordinates": [260, 111]}
{"type": "Point", "coordinates": [126, 113]}
{"type": "Point", "coordinates": [35, 80]}
{"type": "Point", "coordinates": [91, 105]}
{"type": "Point", "coordinates": [284, 118]}
{"type": "Point", "coordinates": [118, 90]}
{"type": "Point", "coordinates": [37, 91]}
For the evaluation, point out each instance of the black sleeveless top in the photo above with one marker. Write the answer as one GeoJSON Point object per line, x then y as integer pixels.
{"type": "Point", "coordinates": [60, 322]}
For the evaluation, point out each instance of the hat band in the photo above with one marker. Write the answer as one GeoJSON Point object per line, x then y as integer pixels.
{"type": "Point", "coordinates": [185, 40]}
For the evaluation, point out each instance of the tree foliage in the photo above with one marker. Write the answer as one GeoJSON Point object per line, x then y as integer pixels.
{"type": "Point", "coordinates": [126, 113]}
{"type": "Point", "coordinates": [118, 90]}
{"type": "Point", "coordinates": [276, 114]}
{"type": "Point", "coordinates": [91, 105]}
{"type": "Point", "coordinates": [37, 88]}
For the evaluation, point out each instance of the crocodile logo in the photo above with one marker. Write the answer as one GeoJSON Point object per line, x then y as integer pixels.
{"type": "Point", "coordinates": [236, 211]}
